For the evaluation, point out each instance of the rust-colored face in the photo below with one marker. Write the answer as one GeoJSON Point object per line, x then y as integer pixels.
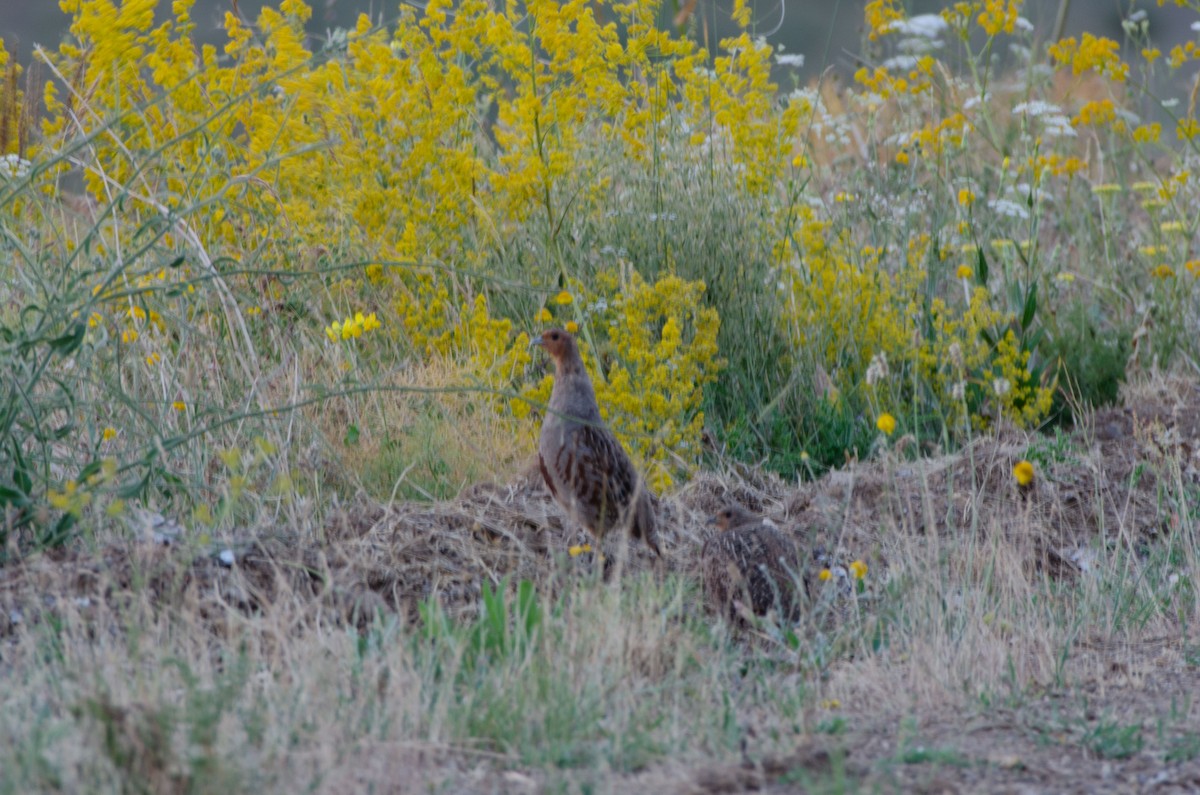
{"type": "Point", "coordinates": [558, 343]}
{"type": "Point", "coordinates": [730, 516]}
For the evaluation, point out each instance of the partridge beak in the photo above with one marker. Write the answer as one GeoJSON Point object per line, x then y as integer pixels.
{"type": "Point", "coordinates": [537, 341]}
{"type": "Point", "coordinates": [711, 520]}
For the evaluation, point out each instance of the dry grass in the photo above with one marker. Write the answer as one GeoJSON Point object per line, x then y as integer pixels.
{"type": "Point", "coordinates": [315, 660]}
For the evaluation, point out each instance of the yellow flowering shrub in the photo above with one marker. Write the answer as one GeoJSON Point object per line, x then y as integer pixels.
{"type": "Point", "coordinates": [435, 189]}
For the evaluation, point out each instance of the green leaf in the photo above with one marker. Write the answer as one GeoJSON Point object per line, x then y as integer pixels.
{"type": "Point", "coordinates": [69, 342]}
{"type": "Point", "coordinates": [981, 267]}
{"type": "Point", "coordinates": [352, 436]}
{"type": "Point", "coordinates": [13, 497]}
{"type": "Point", "coordinates": [1030, 307]}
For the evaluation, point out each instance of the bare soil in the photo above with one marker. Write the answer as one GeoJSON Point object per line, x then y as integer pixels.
{"type": "Point", "coordinates": [1094, 492]}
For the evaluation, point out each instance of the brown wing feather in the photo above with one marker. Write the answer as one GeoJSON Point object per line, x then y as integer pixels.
{"type": "Point", "coordinates": [546, 476]}
{"type": "Point", "coordinates": [592, 463]}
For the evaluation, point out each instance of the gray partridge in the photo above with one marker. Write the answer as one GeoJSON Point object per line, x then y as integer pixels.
{"type": "Point", "coordinates": [749, 559]}
{"type": "Point", "coordinates": [584, 465]}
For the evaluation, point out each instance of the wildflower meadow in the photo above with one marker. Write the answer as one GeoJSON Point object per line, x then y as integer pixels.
{"type": "Point", "coordinates": [269, 507]}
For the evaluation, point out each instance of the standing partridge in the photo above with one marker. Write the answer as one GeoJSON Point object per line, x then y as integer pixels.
{"type": "Point", "coordinates": [749, 560]}
{"type": "Point", "coordinates": [584, 465]}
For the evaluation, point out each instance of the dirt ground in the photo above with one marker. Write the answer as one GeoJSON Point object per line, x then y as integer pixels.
{"type": "Point", "coordinates": [1092, 491]}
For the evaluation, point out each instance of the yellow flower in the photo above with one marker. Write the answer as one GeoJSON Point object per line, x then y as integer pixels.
{"type": "Point", "coordinates": [1171, 226]}
{"type": "Point", "coordinates": [109, 433]}
{"type": "Point", "coordinates": [963, 272]}
{"type": "Point", "coordinates": [1162, 272]}
{"type": "Point", "coordinates": [1023, 472]}
{"type": "Point", "coordinates": [965, 197]}
{"type": "Point", "coordinates": [825, 575]}
{"type": "Point", "coordinates": [886, 423]}
{"type": "Point", "coordinates": [858, 569]}
{"type": "Point", "coordinates": [902, 157]}
{"type": "Point", "coordinates": [153, 359]}
{"type": "Point", "coordinates": [179, 405]}
{"type": "Point", "coordinates": [572, 327]}
{"type": "Point", "coordinates": [129, 335]}
{"type": "Point", "coordinates": [578, 549]}
{"type": "Point", "coordinates": [1193, 267]}
{"type": "Point", "coordinates": [544, 316]}
{"type": "Point", "coordinates": [563, 298]}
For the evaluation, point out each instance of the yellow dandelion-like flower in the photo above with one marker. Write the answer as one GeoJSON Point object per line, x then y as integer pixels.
{"type": "Point", "coordinates": [902, 157]}
{"type": "Point", "coordinates": [831, 703]}
{"type": "Point", "coordinates": [109, 433]}
{"type": "Point", "coordinates": [1149, 251]}
{"type": "Point", "coordinates": [179, 405]}
{"type": "Point", "coordinates": [966, 197]}
{"type": "Point", "coordinates": [858, 569]}
{"type": "Point", "coordinates": [825, 576]}
{"type": "Point", "coordinates": [578, 549]}
{"type": "Point", "coordinates": [544, 316]}
{"type": "Point", "coordinates": [572, 327]}
{"type": "Point", "coordinates": [153, 359]}
{"type": "Point", "coordinates": [563, 298]}
{"type": "Point", "coordinates": [129, 335]}
{"type": "Point", "coordinates": [334, 331]}
{"type": "Point", "coordinates": [799, 161]}
{"type": "Point", "coordinates": [886, 423]}
{"type": "Point", "coordinates": [1163, 272]}
{"type": "Point", "coordinates": [1023, 472]}
{"type": "Point", "coordinates": [963, 272]}
{"type": "Point", "coordinates": [1193, 267]}
{"type": "Point", "coordinates": [1168, 227]}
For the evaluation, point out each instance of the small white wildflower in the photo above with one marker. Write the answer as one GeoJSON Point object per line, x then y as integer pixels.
{"type": "Point", "coordinates": [1024, 25]}
{"type": "Point", "coordinates": [1001, 386]}
{"type": "Point", "coordinates": [974, 102]}
{"type": "Point", "coordinates": [956, 355]}
{"type": "Point", "coordinates": [901, 63]}
{"type": "Point", "coordinates": [877, 370]}
{"type": "Point", "coordinates": [928, 26]}
{"type": "Point", "coordinates": [959, 390]}
{"type": "Point", "coordinates": [226, 557]}
{"type": "Point", "coordinates": [14, 167]}
{"type": "Point", "coordinates": [791, 59]}
{"type": "Point", "coordinates": [1058, 127]}
{"type": "Point", "coordinates": [1037, 108]}
{"type": "Point", "coordinates": [1008, 208]}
